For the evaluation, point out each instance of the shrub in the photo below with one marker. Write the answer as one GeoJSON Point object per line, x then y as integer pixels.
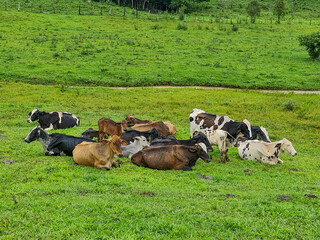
{"type": "Point", "coordinates": [182, 27]}
{"type": "Point", "coordinates": [312, 43]}
{"type": "Point", "coordinates": [235, 28]}
{"type": "Point", "coordinates": [290, 105]}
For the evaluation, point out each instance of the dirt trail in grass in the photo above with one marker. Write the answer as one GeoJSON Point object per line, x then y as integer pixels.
{"type": "Point", "coordinates": [223, 88]}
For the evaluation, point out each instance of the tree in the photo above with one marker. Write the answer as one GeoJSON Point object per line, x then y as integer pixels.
{"type": "Point", "coordinates": [280, 8]}
{"type": "Point", "coordinates": [253, 9]}
{"type": "Point", "coordinates": [312, 43]}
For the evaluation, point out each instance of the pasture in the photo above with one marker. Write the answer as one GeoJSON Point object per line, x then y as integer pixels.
{"type": "Point", "coordinates": [50, 198]}
{"type": "Point", "coordinates": [117, 51]}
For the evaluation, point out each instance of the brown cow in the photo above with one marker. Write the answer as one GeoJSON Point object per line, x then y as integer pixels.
{"type": "Point", "coordinates": [108, 127]}
{"type": "Point", "coordinates": [160, 126]}
{"type": "Point", "coordinates": [91, 133]}
{"type": "Point", "coordinates": [99, 155]}
{"type": "Point", "coordinates": [131, 120]}
{"type": "Point", "coordinates": [176, 157]}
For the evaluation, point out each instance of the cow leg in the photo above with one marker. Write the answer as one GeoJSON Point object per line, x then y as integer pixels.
{"type": "Point", "coordinates": [279, 160]}
{"type": "Point", "coordinates": [115, 164]}
{"type": "Point", "coordinates": [227, 156]}
{"type": "Point", "coordinates": [221, 156]}
{"type": "Point", "coordinates": [186, 168]}
{"type": "Point", "coordinates": [53, 152]}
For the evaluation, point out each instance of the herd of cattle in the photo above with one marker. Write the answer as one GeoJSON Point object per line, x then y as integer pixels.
{"type": "Point", "coordinates": [152, 144]}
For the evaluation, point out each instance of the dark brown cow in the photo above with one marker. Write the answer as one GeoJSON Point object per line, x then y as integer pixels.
{"type": "Point", "coordinates": [176, 157]}
{"type": "Point", "coordinates": [108, 127]}
{"type": "Point", "coordinates": [91, 133]}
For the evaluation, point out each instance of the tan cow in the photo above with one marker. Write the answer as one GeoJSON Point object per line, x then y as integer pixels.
{"type": "Point", "coordinates": [99, 155]}
{"type": "Point", "coordinates": [132, 121]}
{"type": "Point", "coordinates": [108, 127]}
{"type": "Point", "coordinates": [265, 152]}
{"type": "Point", "coordinates": [160, 126]}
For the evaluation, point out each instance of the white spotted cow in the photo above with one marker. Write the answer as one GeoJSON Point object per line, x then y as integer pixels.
{"type": "Point", "coordinates": [201, 121]}
{"type": "Point", "coordinates": [265, 152]}
{"type": "Point", "coordinates": [53, 120]}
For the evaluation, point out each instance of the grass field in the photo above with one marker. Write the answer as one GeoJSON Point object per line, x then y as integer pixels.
{"type": "Point", "coordinates": [115, 51]}
{"type": "Point", "coordinates": [49, 198]}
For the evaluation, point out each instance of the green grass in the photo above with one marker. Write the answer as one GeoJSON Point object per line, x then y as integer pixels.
{"type": "Point", "coordinates": [114, 51]}
{"type": "Point", "coordinates": [46, 197]}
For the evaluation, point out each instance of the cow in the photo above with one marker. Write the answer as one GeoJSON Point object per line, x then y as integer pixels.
{"type": "Point", "coordinates": [130, 134]}
{"type": "Point", "coordinates": [220, 138]}
{"type": "Point", "coordinates": [108, 127]}
{"type": "Point", "coordinates": [200, 137]}
{"type": "Point", "coordinates": [131, 120]}
{"type": "Point", "coordinates": [260, 133]}
{"type": "Point", "coordinates": [160, 126]}
{"type": "Point", "coordinates": [202, 121]}
{"type": "Point", "coordinates": [99, 155]}
{"type": "Point", "coordinates": [138, 144]}
{"type": "Point", "coordinates": [91, 133]}
{"type": "Point", "coordinates": [55, 144]}
{"type": "Point", "coordinates": [176, 157]}
{"type": "Point", "coordinates": [265, 152]}
{"type": "Point", "coordinates": [53, 120]}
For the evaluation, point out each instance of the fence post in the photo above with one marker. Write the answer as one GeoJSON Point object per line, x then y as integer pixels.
{"type": "Point", "coordinates": [100, 11]}
{"type": "Point", "coordinates": [41, 8]}
{"type": "Point", "coordinates": [110, 11]}
{"type": "Point", "coordinates": [195, 18]}
{"type": "Point", "coordinates": [66, 9]}
{"type": "Point", "coordinates": [5, 5]}
{"type": "Point", "coordinates": [310, 21]}
{"type": "Point", "coordinates": [124, 11]}
{"type": "Point", "coordinates": [19, 6]}
{"type": "Point", "coordinates": [92, 10]}
{"type": "Point", "coordinates": [31, 7]}
{"type": "Point", "coordinates": [53, 8]}
{"type": "Point", "coordinates": [79, 10]}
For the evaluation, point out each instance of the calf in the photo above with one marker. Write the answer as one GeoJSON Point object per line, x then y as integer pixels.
{"type": "Point", "coordinates": [160, 126]}
{"type": "Point", "coordinates": [200, 138]}
{"type": "Point", "coordinates": [265, 152]}
{"type": "Point", "coordinates": [138, 144]}
{"type": "Point", "coordinates": [108, 127]}
{"type": "Point", "coordinates": [176, 157]}
{"type": "Point", "coordinates": [202, 121]}
{"type": "Point", "coordinates": [220, 138]}
{"type": "Point", "coordinates": [53, 120]}
{"type": "Point", "coordinates": [130, 134]}
{"type": "Point", "coordinates": [260, 133]}
{"type": "Point", "coordinates": [133, 121]}
{"type": "Point", "coordinates": [98, 155]}
{"type": "Point", "coordinates": [91, 133]}
{"type": "Point", "coordinates": [55, 144]}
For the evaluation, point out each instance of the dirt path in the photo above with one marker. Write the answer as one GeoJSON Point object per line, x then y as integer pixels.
{"type": "Point", "coordinates": [223, 88]}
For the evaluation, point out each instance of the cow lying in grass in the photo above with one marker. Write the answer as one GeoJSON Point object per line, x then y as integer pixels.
{"type": "Point", "coordinates": [99, 155]}
{"type": "Point", "coordinates": [176, 157]}
{"type": "Point", "coordinates": [55, 144]}
{"type": "Point", "coordinates": [138, 144]}
{"type": "Point", "coordinates": [265, 152]}
{"type": "Point", "coordinates": [53, 120]}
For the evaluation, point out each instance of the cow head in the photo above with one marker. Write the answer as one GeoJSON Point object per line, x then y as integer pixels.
{"type": "Point", "coordinates": [124, 125]}
{"type": "Point", "coordinates": [287, 147]}
{"type": "Point", "coordinates": [33, 115]}
{"type": "Point", "coordinates": [201, 138]}
{"type": "Point", "coordinates": [34, 134]}
{"type": "Point", "coordinates": [202, 152]}
{"type": "Point", "coordinates": [141, 141]}
{"type": "Point", "coordinates": [130, 120]}
{"type": "Point", "coordinates": [115, 144]}
{"type": "Point", "coordinates": [153, 134]}
{"type": "Point", "coordinates": [245, 129]}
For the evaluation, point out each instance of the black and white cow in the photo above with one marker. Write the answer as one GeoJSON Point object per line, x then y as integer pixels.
{"type": "Point", "coordinates": [265, 152]}
{"type": "Point", "coordinates": [201, 121]}
{"type": "Point", "coordinates": [53, 120]}
{"type": "Point", "coordinates": [130, 134]}
{"type": "Point", "coordinates": [199, 138]}
{"type": "Point", "coordinates": [55, 144]}
{"type": "Point", "coordinates": [260, 133]}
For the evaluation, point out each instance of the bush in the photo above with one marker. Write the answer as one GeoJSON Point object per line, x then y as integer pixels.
{"type": "Point", "coordinates": [312, 43]}
{"type": "Point", "coordinates": [235, 28]}
{"type": "Point", "coordinates": [182, 27]}
{"type": "Point", "coordinates": [290, 105]}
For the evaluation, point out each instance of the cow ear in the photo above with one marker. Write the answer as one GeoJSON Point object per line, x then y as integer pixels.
{"type": "Point", "coordinates": [124, 142]}
{"type": "Point", "coordinates": [106, 141]}
{"type": "Point", "coordinates": [193, 150]}
{"type": "Point", "coordinates": [278, 145]}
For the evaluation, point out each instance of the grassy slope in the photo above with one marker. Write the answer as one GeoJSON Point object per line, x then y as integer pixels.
{"type": "Point", "coordinates": [56, 200]}
{"type": "Point", "coordinates": [39, 48]}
